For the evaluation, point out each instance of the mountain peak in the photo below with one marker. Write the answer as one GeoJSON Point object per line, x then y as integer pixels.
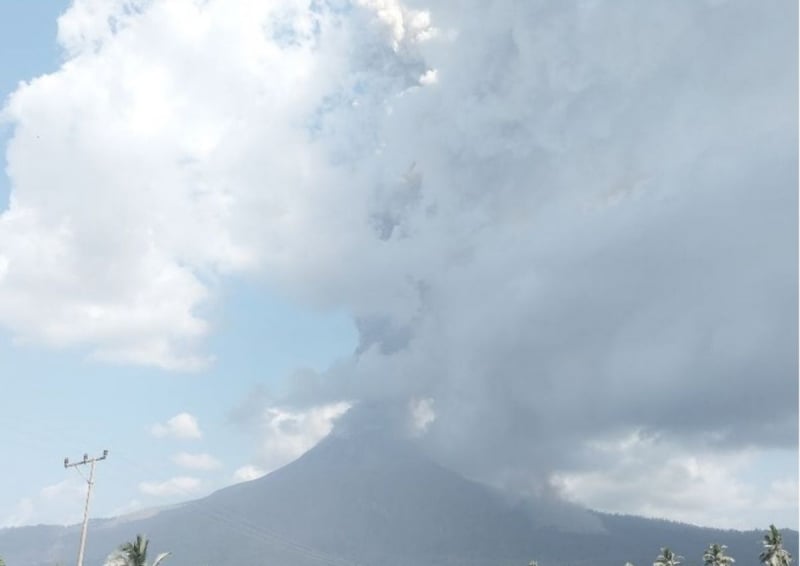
{"type": "Point", "coordinates": [368, 494]}
{"type": "Point", "coordinates": [374, 420]}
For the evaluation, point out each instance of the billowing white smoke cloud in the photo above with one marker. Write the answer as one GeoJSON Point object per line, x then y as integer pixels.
{"type": "Point", "coordinates": [560, 221]}
{"type": "Point", "coordinates": [179, 143]}
{"type": "Point", "coordinates": [286, 434]}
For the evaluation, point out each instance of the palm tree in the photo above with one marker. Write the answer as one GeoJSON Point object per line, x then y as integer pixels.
{"type": "Point", "coordinates": [134, 554]}
{"type": "Point", "coordinates": [715, 556]}
{"type": "Point", "coordinates": [667, 558]}
{"type": "Point", "coordinates": [774, 554]}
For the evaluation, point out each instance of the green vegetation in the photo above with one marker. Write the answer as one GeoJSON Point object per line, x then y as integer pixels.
{"type": "Point", "coordinates": [667, 558]}
{"type": "Point", "coordinates": [134, 554]}
{"type": "Point", "coordinates": [715, 556]}
{"type": "Point", "coordinates": [774, 554]}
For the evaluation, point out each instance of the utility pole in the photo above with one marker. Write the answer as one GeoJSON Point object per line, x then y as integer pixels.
{"type": "Point", "coordinates": [90, 483]}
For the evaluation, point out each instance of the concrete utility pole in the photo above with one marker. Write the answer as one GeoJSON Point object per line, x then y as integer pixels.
{"type": "Point", "coordinates": [90, 483]}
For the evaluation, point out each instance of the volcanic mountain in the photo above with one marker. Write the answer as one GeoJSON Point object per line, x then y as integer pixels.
{"type": "Point", "coordinates": [368, 498]}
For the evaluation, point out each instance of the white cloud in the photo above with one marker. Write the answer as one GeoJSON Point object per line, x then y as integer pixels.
{"type": "Point", "coordinates": [177, 486]}
{"type": "Point", "coordinates": [182, 425]}
{"type": "Point", "coordinates": [422, 415]}
{"type": "Point", "coordinates": [647, 476]}
{"type": "Point", "coordinates": [570, 209]}
{"type": "Point", "coordinates": [23, 514]}
{"type": "Point", "coordinates": [156, 183]}
{"type": "Point", "coordinates": [59, 503]}
{"type": "Point", "coordinates": [404, 26]}
{"type": "Point", "coordinates": [429, 77]}
{"type": "Point", "coordinates": [286, 434]}
{"type": "Point", "coordinates": [69, 488]}
{"type": "Point", "coordinates": [247, 473]}
{"type": "Point", "coordinates": [779, 497]}
{"type": "Point", "coordinates": [196, 461]}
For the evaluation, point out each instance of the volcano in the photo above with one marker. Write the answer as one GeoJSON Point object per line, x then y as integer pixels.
{"type": "Point", "coordinates": [368, 498]}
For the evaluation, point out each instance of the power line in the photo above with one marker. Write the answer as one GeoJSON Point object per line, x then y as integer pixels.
{"type": "Point", "coordinates": [89, 484]}
{"type": "Point", "coordinates": [233, 520]}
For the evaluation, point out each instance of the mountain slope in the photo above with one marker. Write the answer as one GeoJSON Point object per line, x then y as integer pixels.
{"type": "Point", "coordinates": [369, 499]}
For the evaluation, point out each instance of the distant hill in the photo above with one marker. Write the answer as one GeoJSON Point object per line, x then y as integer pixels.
{"type": "Point", "coordinates": [369, 499]}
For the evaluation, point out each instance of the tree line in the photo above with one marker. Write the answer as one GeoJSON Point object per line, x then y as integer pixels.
{"type": "Point", "coordinates": [134, 553]}
{"type": "Point", "coordinates": [772, 554]}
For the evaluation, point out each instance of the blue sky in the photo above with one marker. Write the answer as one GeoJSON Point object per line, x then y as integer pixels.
{"type": "Point", "coordinates": [55, 403]}
{"type": "Point", "coordinates": [511, 222]}
{"type": "Point", "coordinates": [28, 49]}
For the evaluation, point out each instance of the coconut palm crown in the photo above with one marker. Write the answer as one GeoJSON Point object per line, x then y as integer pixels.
{"type": "Point", "coordinates": [134, 554]}
{"type": "Point", "coordinates": [774, 554]}
{"type": "Point", "coordinates": [715, 556]}
{"type": "Point", "coordinates": [667, 558]}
